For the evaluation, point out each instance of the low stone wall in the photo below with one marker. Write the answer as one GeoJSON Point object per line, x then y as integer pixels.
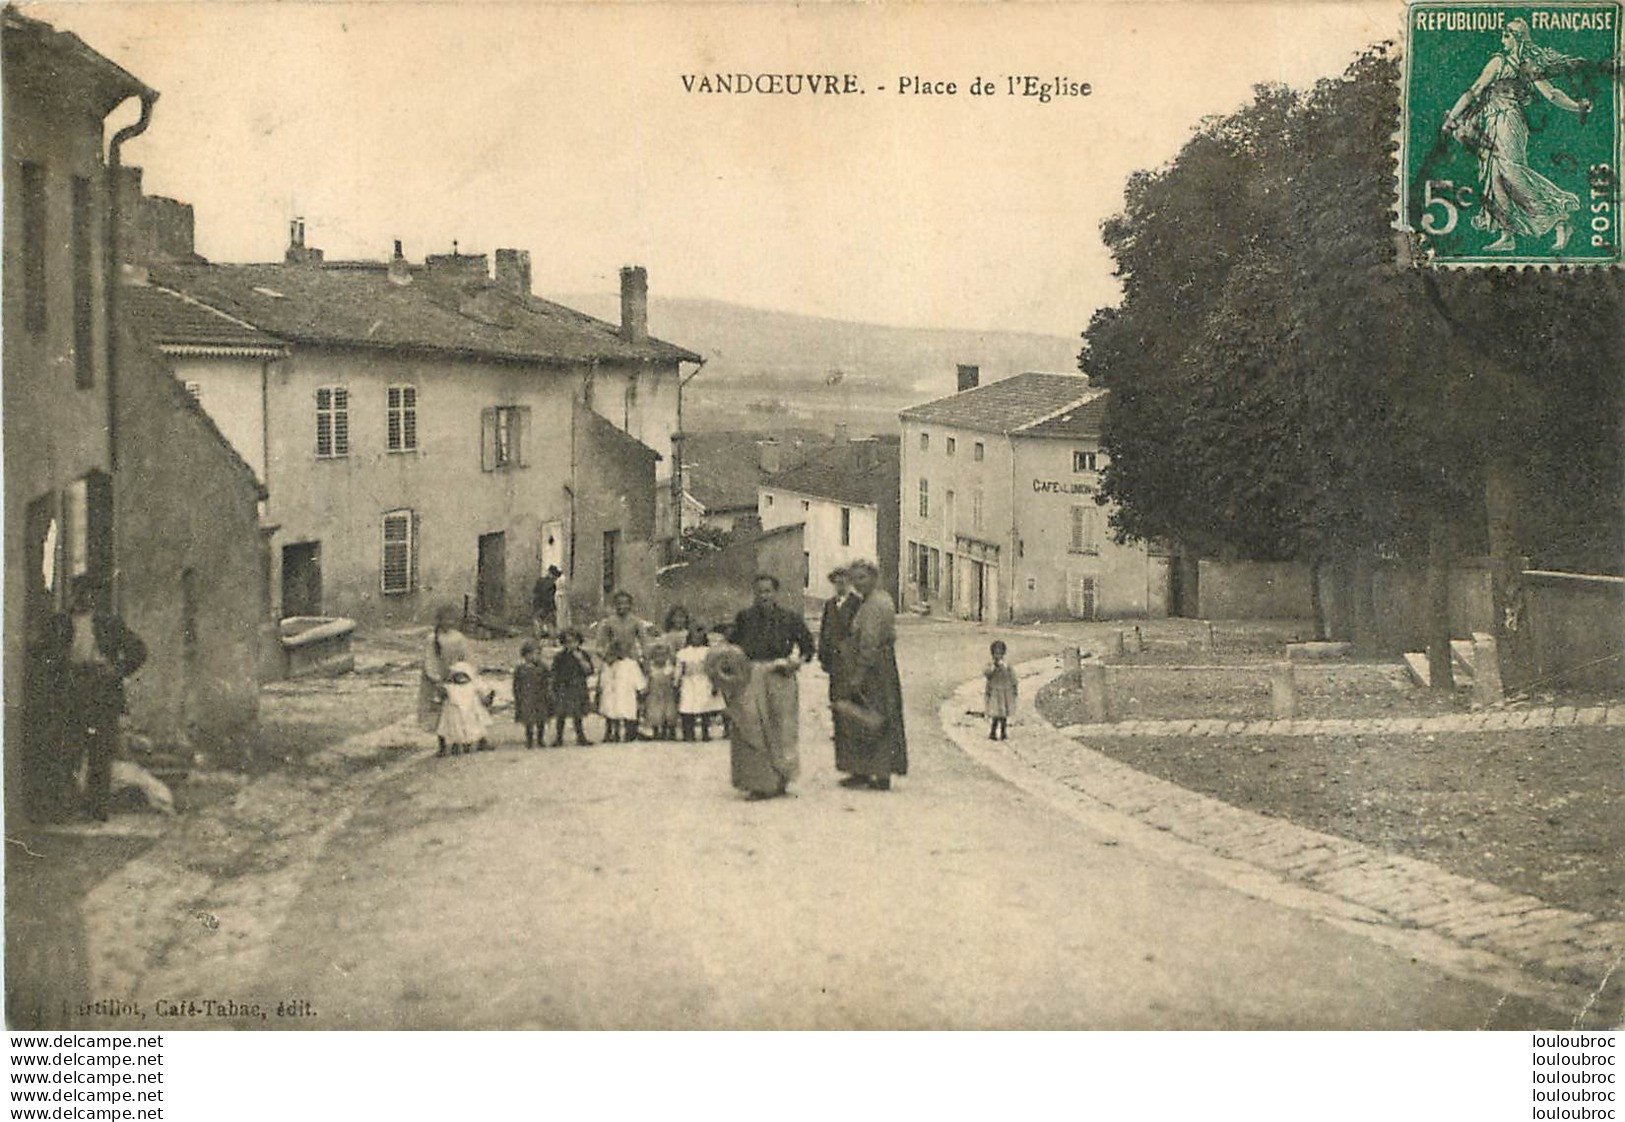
{"type": "Point", "coordinates": [1570, 632]}
{"type": "Point", "coordinates": [1254, 590]}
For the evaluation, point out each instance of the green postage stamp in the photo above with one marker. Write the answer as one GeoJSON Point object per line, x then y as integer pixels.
{"type": "Point", "coordinates": [1510, 153]}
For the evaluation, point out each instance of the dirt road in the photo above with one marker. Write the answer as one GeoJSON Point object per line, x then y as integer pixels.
{"type": "Point", "coordinates": [626, 886]}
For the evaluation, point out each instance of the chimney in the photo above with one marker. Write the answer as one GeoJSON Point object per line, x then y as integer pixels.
{"type": "Point", "coordinates": [399, 271]}
{"type": "Point", "coordinates": [513, 270]}
{"type": "Point", "coordinates": [458, 267]}
{"type": "Point", "coordinates": [768, 458]}
{"type": "Point", "coordinates": [298, 252]}
{"type": "Point", "coordinates": [969, 377]}
{"type": "Point", "coordinates": [635, 304]}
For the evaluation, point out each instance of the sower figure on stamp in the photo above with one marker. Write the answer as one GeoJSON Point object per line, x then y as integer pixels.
{"type": "Point", "coordinates": [1490, 119]}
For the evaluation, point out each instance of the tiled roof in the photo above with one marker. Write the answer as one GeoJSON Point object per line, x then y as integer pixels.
{"type": "Point", "coordinates": [722, 470]}
{"type": "Point", "coordinates": [183, 323]}
{"type": "Point", "coordinates": [861, 472]}
{"type": "Point", "coordinates": [1008, 406]}
{"type": "Point", "coordinates": [364, 308]}
{"type": "Point", "coordinates": [1074, 421]}
{"type": "Point", "coordinates": [58, 66]}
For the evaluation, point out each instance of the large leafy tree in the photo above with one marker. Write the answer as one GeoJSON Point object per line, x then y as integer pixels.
{"type": "Point", "coordinates": [1284, 389]}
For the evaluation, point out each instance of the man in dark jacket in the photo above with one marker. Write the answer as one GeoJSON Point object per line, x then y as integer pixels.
{"type": "Point", "coordinates": [102, 653]}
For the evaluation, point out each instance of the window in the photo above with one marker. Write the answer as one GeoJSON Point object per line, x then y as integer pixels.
{"type": "Point", "coordinates": [805, 505]}
{"type": "Point", "coordinates": [32, 190]}
{"type": "Point", "coordinates": [846, 525]}
{"type": "Point", "coordinates": [806, 569]}
{"type": "Point", "coordinates": [925, 442]}
{"type": "Point", "coordinates": [1080, 596]}
{"type": "Point", "coordinates": [948, 511]}
{"type": "Point", "coordinates": [922, 567]}
{"type": "Point", "coordinates": [402, 408]}
{"type": "Point", "coordinates": [1083, 461]}
{"type": "Point", "coordinates": [978, 451]}
{"type": "Point", "coordinates": [399, 567]}
{"type": "Point", "coordinates": [1083, 530]}
{"type": "Point", "coordinates": [925, 499]}
{"type": "Point", "coordinates": [332, 422]}
{"type": "Point", "coordinates": [767, 501]}
{"type": "Point", "coordinates": [950, 446]}
{"type": "Point", "coordinates": [502, 437]}
{"type": "Point", "coordinates": [84, 291]}
{"type": "Point", "coordinates": [976, 509]}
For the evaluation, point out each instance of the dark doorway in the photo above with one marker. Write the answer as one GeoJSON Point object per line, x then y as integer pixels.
{"type": "Point", "coordinates": [978, 589]}
{"type": "Point", "coordinates": [302, 579]}
{"type": "Point", "coordinates": [491, 584]}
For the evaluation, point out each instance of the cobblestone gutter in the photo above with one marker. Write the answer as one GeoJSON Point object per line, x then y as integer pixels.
{"type": "Point", "coordinates": [1466, 927]}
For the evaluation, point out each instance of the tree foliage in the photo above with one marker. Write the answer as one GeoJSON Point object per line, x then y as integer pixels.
{"type": "Point", "coordinates": [1281, 389]}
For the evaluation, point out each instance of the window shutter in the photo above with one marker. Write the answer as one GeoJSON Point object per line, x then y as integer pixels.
{"type": "Point", "coordinates": [521, 436]}
{"type": "Point", "coordinates": [488, 439]}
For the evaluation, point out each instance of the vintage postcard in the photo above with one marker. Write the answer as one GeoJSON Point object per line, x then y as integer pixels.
{"type": "Point", "coordinates": [813, 516]}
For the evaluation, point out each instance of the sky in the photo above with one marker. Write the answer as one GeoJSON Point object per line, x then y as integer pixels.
{"type": "Point", "coordinates": [565, 129]}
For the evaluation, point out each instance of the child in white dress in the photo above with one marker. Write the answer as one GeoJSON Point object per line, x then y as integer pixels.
{"type": "Point", "coordinates": [465, 716]}
{"type": "Point", "coordinates": [697, 697]}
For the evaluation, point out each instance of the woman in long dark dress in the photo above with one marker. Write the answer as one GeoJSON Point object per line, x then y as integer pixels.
{"type": "Point", "coordinates": [869, 691]}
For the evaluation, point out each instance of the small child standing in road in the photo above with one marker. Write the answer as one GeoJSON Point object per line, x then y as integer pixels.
{"type": "Point", "coordinates": [532, 692]}
{"type": "Point", "coordinates": [1000, 694]}
{"type": "Point", "coordinates": [572, 669]}
{"type": "Point", "coordinates": [697, 697]}
{"type": "Point", "coordinates": [466, 715]}
{"type": "Point", "coordinates": [660, 703]}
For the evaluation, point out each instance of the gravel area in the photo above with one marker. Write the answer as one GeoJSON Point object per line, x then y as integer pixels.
{"type": "Point", "coordinates": [1532, 810]}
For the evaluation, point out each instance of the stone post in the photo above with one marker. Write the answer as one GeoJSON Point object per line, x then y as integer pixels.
{"type": "Point", "coordinates": [1486, 670]}
{"type": "Point", "coordinates": [1283, 692]}
{"type": "Point", "coordinates": [1093, 675]}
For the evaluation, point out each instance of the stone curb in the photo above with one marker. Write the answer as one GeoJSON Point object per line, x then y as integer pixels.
{"type": "Point", "coordinates": [1455, 722]}
{"type": "Point", "coordinates": [1463, 926]}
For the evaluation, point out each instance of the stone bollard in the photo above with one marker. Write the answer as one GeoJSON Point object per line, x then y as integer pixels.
{"type": "Point", "coordinates": [1486, 670]}
{"type": "Point", "coordinates": [1139, 641]}
{"type": "Point", "coordinates": [1071, 657]}
{"type": "Point", "coordinates": [1283, 693]}
{"type": "Point", "coordinates": [1093, 675]}
{"type": "Point", "coordinates": [1117, 645]}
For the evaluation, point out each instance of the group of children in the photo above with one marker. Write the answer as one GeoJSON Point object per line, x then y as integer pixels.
{"type": "Point", "coordinates": [663, 690]}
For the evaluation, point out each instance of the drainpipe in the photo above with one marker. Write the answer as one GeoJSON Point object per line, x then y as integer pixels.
{"type": "Point", "coordinates": [677, 488]}
{"type": "Point", "coordinates": [112, 249]}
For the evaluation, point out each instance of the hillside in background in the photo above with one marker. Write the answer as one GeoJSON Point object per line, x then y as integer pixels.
{"type": "Point", "coordinates": [767, 369]}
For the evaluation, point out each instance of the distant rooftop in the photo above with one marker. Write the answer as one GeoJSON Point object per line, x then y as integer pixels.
{"type": "Point", "coordinates": [1030, 404]}
{"type": "Point", "coordinates": [362, 306]}
{"type": "Point", "coordinates": [860, 472]}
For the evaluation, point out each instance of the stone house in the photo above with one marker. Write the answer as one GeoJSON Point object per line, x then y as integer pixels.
{"type": "Point", "coordinates": [429, 433]}
{"type": "Point", "coordinates": [112, 478]}
{"type": "Point", "coordinates": [999, 515]}
{"type": "Point", "coordinates": [846, 494]}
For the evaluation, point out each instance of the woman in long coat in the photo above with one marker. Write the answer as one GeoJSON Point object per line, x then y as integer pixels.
{"type": "Point", "coordinates": [446, 645]}
{"type": "Point", "coordinates": [868, 690]}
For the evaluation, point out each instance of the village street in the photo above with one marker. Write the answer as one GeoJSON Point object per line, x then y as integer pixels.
{"type": "Point", "coordinates": [626, 886]}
